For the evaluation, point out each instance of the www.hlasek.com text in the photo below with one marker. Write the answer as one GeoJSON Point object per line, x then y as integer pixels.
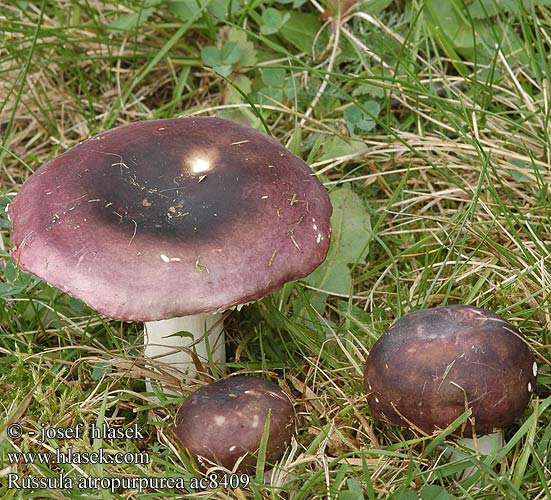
{"type": "Point", "coordinates": [73, 456]}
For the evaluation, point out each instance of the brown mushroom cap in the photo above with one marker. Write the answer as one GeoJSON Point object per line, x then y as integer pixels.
{"type": "Point", "coordinates": [172, 217]}
{"type": "Point", "coordinates": [225, 420]}
{"type": "Point", "coordinates": [433, 363]}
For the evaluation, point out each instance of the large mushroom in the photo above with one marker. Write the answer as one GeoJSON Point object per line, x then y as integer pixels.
{"type": "Point", "coordinates": [432, 365]}
{"type": "Point", "coordinates": [224, 423]}
{"type": "Point", "coordinates": [172, 222]}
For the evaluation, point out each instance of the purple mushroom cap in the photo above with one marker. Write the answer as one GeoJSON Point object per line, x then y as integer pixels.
{"type": "Point", "coordinates": [433, 364]}
{"type": "Point", "coordinates": [173, 217]}
{"type": "Point", "coordinates": [226, 420]}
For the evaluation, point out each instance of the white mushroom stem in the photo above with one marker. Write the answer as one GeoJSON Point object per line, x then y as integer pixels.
{"type": "Point", "coordinates": [482, 445]}
{"type": "Point", "coordinates": [174, 352]}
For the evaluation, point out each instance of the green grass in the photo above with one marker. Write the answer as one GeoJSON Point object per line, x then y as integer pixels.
{"type": "Point", "coordinates": [427, 120]}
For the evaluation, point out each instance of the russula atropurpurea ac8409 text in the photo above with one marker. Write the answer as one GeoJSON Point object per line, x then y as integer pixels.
{"type": "Point", "coordinates": [170, 221]}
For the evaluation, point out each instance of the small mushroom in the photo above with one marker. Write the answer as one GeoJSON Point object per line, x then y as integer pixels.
{"type": "Point", "coordinates": [223, 423]}
{"type": "Point", "coordinates": [172, 222]}
{"type": "Point", "coordinates": [434, 364]}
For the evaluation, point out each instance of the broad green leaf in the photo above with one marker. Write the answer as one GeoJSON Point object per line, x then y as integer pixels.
{"type": "Point", "coordinates": [272, 21]}
{"type": "Point", "coordinates": [296, 3]}
{"type": "Point", "coordinates": [291, 87]}
{"type": "Point", "coordinates": [10, 271]}
{"type": "Point", "coordinates": [248, 55]}
{"type": "Point", "coordinates": [223, 69]}
{"type": "Point", "coordinates": [375, 7]}
{"type": "Point", "coordinates": [243, 83]}
{"type": "Point", "coordinates": [351, 234]}
{"type": "Point", "coordinates": [230, 53]}
{"type": "Point", "coordinates": [336, 147]}
{"type": "Point", "coordinates": [240, 85]}
{"type": "Point", "coordinates": [185, 9]}
{"type": "Point", "coordinates": [406, 495]}
{"type": "Point", "coordinates": [356, 117]}
{"type": "Point", "coordinates": [100, 369]}
{"type": "Point", "coordinates": [273, 77]}
{"type": "Point", "coordinates": [210, 56]}
{"type": "Point", "coordinates": [351, 226]}
{"type": "Point", "coordinates": [369, 89]}
{"type": "Point", "coordinates": [435, 492]}
{"type": "Point", "coordinates": [354, 491]}
{"type": "Point", "coordinates": [220, 60]}
{"type": "Point", "coordinates": [127, 22]}
{"type": "Point", "coordinates": [458, 30]}
{"type": "Point", "coordinates": [76, 304]}
{"type": "Point", "coordinates": [270, 95]}
{"type": "Point", "coordinates": [224, 8]}
{"type": "Point", "coordinates": [529, 168]}
{"type": "Point", "coordinates": [450, 24]}
{"type": "Point", "coordinates": [332, 276]}
{"type": "Point", "coordinates": [8, 290]}
{"type": "Point", "coordinates": [482, 9]}
{"type": "Point", "coordinates": [301, 30]}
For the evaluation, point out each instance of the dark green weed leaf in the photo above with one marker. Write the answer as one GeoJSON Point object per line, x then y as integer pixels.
{"type": "Point", "coordinates": [525, 171]}
{"type": "Point", "coordinates": [435, 492]}
{"type": "Point", "coordinates": [230, 53]}
{"type": "Point", "coordinates": [218, 9]}
{"type": "Point", "coordinates": [269, 95]}
{"type": "Point", "coordinates": [303, 30]}
{"type": "Point", "coordinates": [76, 304]}
{"type": "Point", "coordinates": [17, 281]}
{"type": "Point", "coordinates": [295, 3]}
{"type": "Point", "coordinates": [353, 491]}
{"type": "Point", "coordinates": [210, 56]}
{"type": "Point", "coordinates": [460, 32]}
{"type": "Point", "coordinates": [101, 368]}
{"type": "Point", "coordinates": [10, 271]}
{"type": "Point", "coordinates": [336, 147]}
{"type": "Point", "coordinates": [221, 60]}
{"type": "Point", "coordinates": [369, 89]}
{"type": "Point", "coordinates": [185, 9]}
{"type": "Point", "coordinates": [375, 7]}
{"type": "Point", "coordinates": [248, 53]}
{"type": "Point", "coordinates": [8, 290]}
{"type": "Point", "coordinates": [357, 118]}
{"type": "Point", "coordinates": [127, 22]}
{"type": "Point", "coordinates": [273, 20]}
{"type": "Point", "coordinates": [273, 77]}
{"type": "Point", "coordinates": [4, 202]}
{"type": "Point", "coordinates": [483, 9]}
{"type": "Point", "coordinates": [406, 495]}
{"type": "Point", "coordinates": [351, 235]}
